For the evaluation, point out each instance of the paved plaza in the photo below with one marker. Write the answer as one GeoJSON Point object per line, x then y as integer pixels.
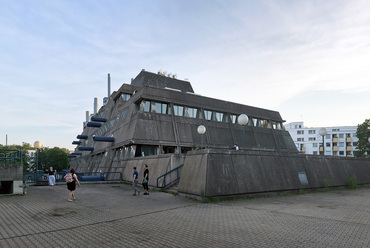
{"type": "Point", "coordinates": [107, 215]}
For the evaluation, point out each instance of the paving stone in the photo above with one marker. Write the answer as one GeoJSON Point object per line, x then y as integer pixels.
{"type": "Point", "coordinates": [106, 215]}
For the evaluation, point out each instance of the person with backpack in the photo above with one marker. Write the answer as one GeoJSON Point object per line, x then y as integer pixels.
{"type": "Point", "coordinates": [71, 179]}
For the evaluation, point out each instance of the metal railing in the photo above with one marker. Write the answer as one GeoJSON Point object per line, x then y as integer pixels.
{"type": "Point", "coordinates": [100, 176]}
{"type": "Point", "coordinates": [42, 178]}
{"type": "Point", "coordinates": [164, 185]}
{"type": "Point", "coordinates": [10, 156]}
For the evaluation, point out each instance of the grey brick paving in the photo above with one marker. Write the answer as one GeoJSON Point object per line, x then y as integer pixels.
{"type": "Point", "coordinates": [106, 215]}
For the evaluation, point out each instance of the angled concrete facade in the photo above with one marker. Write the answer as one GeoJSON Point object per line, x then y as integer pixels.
{"type": "Point", "coordinates": [157, 116]}
{"type": "Point", "coordinates": [154, 121]}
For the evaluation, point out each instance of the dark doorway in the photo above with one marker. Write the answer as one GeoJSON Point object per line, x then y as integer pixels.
{"type": "Point", "coordinates": [6, 187]}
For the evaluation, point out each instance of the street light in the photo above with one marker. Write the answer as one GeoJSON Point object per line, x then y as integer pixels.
{"type": "Point", "coordinates": [323, 132]}
{"type": "Point", "coordinates": [243, 120]}
{"type": "Point", "coordinates": [201, 130]}
{"type": "Point", "coordinates": [37, 145]}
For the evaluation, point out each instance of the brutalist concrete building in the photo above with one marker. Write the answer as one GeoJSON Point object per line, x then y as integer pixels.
{"type": "Point", "coordinates": [154, 121]}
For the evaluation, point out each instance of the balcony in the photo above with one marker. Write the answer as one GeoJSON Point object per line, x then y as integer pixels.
{"type": "Point", "coordinates": [303, 149]}
{"type": "Point", "coordinates": [349, 155]}
{"type": "Point", "coordinates": [335, 148]}
{"type": "Point", "coordinates": [321, 149]}
{"type": "Point", "coordinates": [349, 139]}
{"type": "Point", "coordinates": [349, 148]}
{"type": "Point", "coordinates": [335, 140]}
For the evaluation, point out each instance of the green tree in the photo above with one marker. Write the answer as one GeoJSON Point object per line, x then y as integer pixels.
{"type": "Point", "coordinates": [55, 157]}
{"type": "Point", "coordinates": [363, 134]}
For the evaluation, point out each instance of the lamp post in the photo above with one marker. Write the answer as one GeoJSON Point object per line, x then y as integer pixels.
{"type": "Point", "coordinates": [243, 120]}
{"type": "Point", "coordinates": [201, 130]}
{"type": "Point", "coordinates": [37, 145]}
{"type": "Point", "coordinates": [323, 132]}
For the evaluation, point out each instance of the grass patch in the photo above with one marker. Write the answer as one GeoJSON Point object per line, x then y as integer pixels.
{"type": "Point", "coordinates": [325, 183]}
{"type": "Point", "coordinates": [352, 183]}
{"type": "Point", "coordinates": [175, 193]}
{"type": "Point", "coordinates": [284, 194]}
{"type": "Point", "coordinates": [302, 191]}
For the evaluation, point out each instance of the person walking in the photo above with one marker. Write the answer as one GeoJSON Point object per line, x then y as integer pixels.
{"type": "Point", "coordinates": [146, 179]}
{"type": "Point", "coordinates": [135, 179]}
{"type": "Point", "coordinates": [71, 179]}
{"type": "Point", "coordinates": [51, 177]}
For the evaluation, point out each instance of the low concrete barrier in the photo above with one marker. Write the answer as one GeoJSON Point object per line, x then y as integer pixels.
{"type": "Point", "coordinates": [222, 173]}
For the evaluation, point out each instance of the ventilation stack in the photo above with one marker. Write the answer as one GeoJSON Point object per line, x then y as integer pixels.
{"type": "Point", "coordinates": [87, 116]}
{"type": "Point", "coordinates": [108, 85]}
{"type": "Point", "coordinates": [95, 105]}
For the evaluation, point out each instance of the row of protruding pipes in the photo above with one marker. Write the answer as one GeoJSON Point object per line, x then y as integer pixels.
{"type": "Point", "coordinates": [95, 122]}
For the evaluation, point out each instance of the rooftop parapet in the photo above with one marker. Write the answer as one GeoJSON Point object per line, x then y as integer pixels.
{"type": "Point", "coordinates": [159, 81]}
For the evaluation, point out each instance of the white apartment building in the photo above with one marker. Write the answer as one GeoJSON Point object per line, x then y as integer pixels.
{"type": "Point", "coordinates": [339, 141]}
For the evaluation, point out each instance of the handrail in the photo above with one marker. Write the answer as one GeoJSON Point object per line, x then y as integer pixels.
{"type": "Point", "coordinates": [165, 174]}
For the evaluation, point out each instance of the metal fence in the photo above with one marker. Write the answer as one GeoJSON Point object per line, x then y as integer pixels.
{"type": "Point", "coordinates": [40, 177]}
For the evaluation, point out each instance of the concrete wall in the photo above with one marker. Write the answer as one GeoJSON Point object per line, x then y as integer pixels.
{"type": "Point", "coordinates": [12, 173]}
{"type": "Point", "coordinates": [222, 173]}
{"type": "Point", "coordinates": [158, 165]}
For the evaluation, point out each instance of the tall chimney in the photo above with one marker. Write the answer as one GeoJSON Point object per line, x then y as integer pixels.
{"type": "Point", "coordinates": [108, 85]}
{"type": "Point", "coordinates": [95, 105]}
{"type": "Point", "coordinates": [6, 142]}
{"type": "Point", "coordinates": [87, 116]}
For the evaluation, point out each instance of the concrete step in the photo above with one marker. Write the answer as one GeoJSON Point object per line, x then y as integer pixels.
{"type": "Point", "coordinates": [173, 188]}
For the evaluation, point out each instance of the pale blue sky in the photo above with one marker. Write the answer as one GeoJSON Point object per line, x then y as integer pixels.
{"type": "Point", "coordinates": [309, 60]}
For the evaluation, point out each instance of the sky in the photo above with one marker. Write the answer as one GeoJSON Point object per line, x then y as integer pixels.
{"type": "Point", "coordinates": [308, 60]}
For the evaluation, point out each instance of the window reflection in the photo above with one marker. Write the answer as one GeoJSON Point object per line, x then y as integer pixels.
{"type": "Point", "coordinates": [219, 116]}
{"type": "Point", "coordinates": [146, 106]}
{"type": "Point", "coordinates": [161, 108]}
{"type": "Point", "coordinates": [207, 115]}
{"type": "Point", "coordinates": [125, 97]}
{"type": "Point", "coordinates": [178, 110]}
{"type": "Point", "coordinates": [191, 112]}
{"type": "Point", "coordinates": [233, 118]}
{"type": "Point", "coordinates": [124, 113]}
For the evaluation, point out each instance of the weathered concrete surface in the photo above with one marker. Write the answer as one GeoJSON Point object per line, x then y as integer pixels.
{"type": "Point", "coordinates": [222, 173]}
{"type": "Point", "coordinates": [106, 215]}
{"type": "Point", "coordinates": [158, 165]}
{"type": "Point", "coordinates": [12, 174]}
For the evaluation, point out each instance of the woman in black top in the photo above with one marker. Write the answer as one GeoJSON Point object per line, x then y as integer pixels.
{"type": "Point", "coordinates": [145, 179]}
{"type": "Point", "coordinates": [51, 177]}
